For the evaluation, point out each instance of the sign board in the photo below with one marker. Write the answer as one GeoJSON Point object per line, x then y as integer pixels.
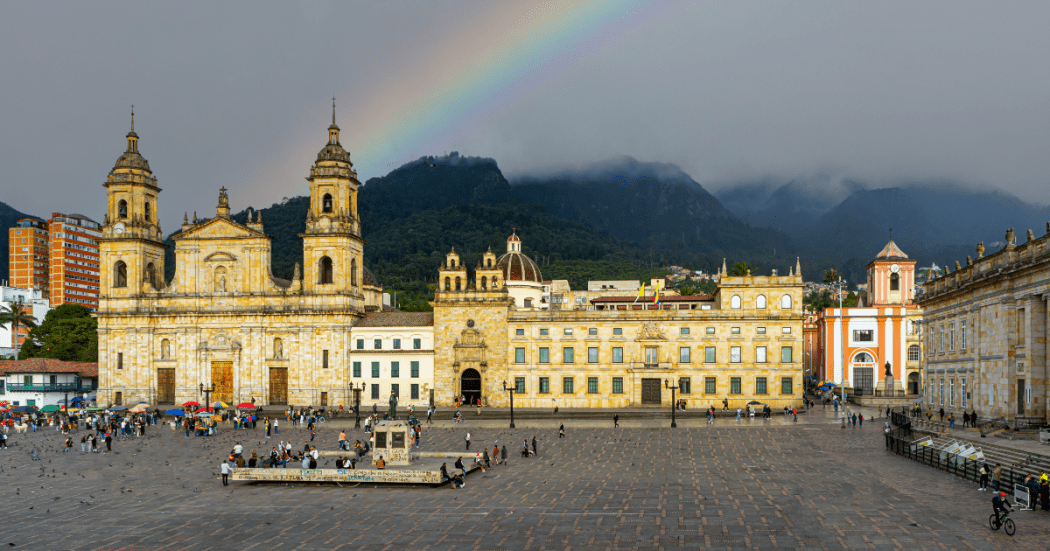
{"type": "Point", "coordinates": [338, 475]}
{"type": "Point", "coordinates": [1021, 497]}
{"type": "Point", "coordinates": [925, 442]}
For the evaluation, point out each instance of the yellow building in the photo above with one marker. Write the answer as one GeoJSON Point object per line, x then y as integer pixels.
{"type": "Point", "coordinates": [742, 343]}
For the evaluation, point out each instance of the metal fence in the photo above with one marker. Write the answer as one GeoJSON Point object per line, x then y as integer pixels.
{"type": "Point", "coordinates": [901, 442]}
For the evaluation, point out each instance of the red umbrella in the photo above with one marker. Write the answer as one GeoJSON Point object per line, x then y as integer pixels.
{"type": "Point", "coordinates": [202, 410]}
{"type": "Point", "coordinates": [191, 403]}
{"type": "Point", "coordinates": [246, 405]}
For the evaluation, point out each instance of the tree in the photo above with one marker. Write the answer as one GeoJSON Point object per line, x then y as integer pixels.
{"type": "Point", "coordinates": [831, 275]}
{"type": "Point", "coordinates": [740, 269]}
{"type": "Point", "coordinates": [17, 318]}
{"type": "Point", "coordinates": [68, 333]}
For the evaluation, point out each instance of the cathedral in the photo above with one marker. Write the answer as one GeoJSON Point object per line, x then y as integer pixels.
{"type": "Point", "coordinates": [224, 322]}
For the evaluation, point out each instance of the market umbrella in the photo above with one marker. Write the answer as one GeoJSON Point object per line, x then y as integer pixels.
{"type": "Point", "coordinates": [203, 414]}
{"type": "Point", "coordinates": [755, 403]}
{"type": "Point", "coordinates": [50, 408]}
{"type": "Point", "coordinates": [139, 408]}
{"type": "Point", "coordinates": [4, 403]}
{"type": "Point", "coordinates": [205, 410]}
{"type": "Point", "coordinates": [191, 403]}
{"type": "Point", "coordinates": [219, 405]}
{"type": "Point", "coordinates": [95, 408]}
{"type": "Point", "coordinates": [118, 408]}
{"type": "Point", "coordinates": [245, 405]}
{"type": "Point", "coordinates": [175, 411]}
{"type": "Point", "coordinates": [24, 409]}
{"type": "Point", "coordinates": [76, 399]}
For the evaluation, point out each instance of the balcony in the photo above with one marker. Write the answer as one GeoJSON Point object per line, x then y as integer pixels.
{"type": "Point", "coordinates": [47, 387]}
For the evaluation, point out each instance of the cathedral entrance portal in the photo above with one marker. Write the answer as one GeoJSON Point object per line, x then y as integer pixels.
{"type": "Point", "coordinates": [166, 385]}
{"type": "Point", "coordinates": [278, 386]}
{"type": "Point", "coordinates": [222, 379]}
{"type": "Point", "coordinates": [470, 386]}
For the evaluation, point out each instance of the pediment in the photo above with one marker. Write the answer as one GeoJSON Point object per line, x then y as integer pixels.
{"type": "Point", "coordinates": [219, 228]}
{"type": "Point", "coordinates": [220, 257]}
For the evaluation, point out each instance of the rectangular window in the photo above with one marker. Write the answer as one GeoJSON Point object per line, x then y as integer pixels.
{"type": "Point", "coordinates": [375, 392]}
{"type": "Point", "coordinates": [785, 330]}
{"type": "Point", "coordinates": [785, 385]}
{"type": "Point", "coordinates": [617, 331]}
{"type": "Point", "coordinates": [760, 354]}
{"type": "Point", "coordinates": [940, 340]}
{"type": "Point", "coordinates": [592, 385]}
{"type": "Point", "coordinates": [545, 385]}
{"type": "Point", "coordinates": [709, 354]}
{"type": "Point", "coordinates": [395, 390]}
{"type": "Point", "coordinates": [519, 385]}
{"type": "Point", "coordinates": [617, 355]}
{"type": "Point", "coordinates": [592, 331]}
{"type": "Point", "coordinates": [684, 331]}
{"type": "Point", "coordinates": [683, 354]}
{"type": "Point", "coordinates": [378, 344]}
{"type": "Point", "coordinates": [710, 330]}
{"type": "Point", "coordinates": [617, 385]}
{"type": "Point", "coordinates": [592, 354]}
{"type": "Point", "coordinates": [545, 355]}
{"type": "Point", "coordinates": [324, 359]}
{"type": "Point", "coordinates": [397, 344]}
{"type": "Point", "coordinates": [734, 385]}
{"type": "Point", "coordinates": [519, 355]}
{"type": "Point", "coordinates": [863, 335]}
{"type": "Point", "coordinates": [735, 331]}
{"type": "Point", "coordinates": [709, 385]}
{"type": "Point", "coordinates": [951, 337]}
{"type": "Point", "coordinates": [120, 360]}
{"type": "Point", "coordinates": [414, 369]}
{"type": "Point", "coordinates": [566, 385]}
{"type": "Point", "coordinates": [962, 334]}
{"type": "Point", "coordinates": [395, 369]}
{"type": "Point", "coordinates": [360, 344]}
{"type": "Point", "coordinates": [786, 355]}
{"type": "Point", "coordinates": [913, 353]}
{"type": "Point", "coordinates": [568, 330]}
{"type": "Point", "coordinates": [734, 354]}
{"type": "Point", "coordinates": [375, 370]}
{"type": "Point", "coordinates": [415, 391]}
{"type": "Point", "coordinates": [566, 355]}
{"type": "Point", "coordinates": [357, 369]}
{"type": "Point", "coordinates": [544, 332]}
{"type": "Point", "coordinates": [962, 392]}
{"type": "Point", "coordinates": [519, 332]}
{"type": "Point", "coordinates": [761, 330]}
{"type": "Point", "coordinates": [685, 385]}
{"type": "Point", "coordinates": [417, 344]}
{"type": "Point", "coordinates": [760, 385]}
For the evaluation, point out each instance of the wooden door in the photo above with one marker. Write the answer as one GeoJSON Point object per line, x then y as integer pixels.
{"type": "Point", "coordinates": [166, 385]}
{"type": "Point", "coordinates": [651, 391]}
{"type": "Point", "coordinates": [278, 386]}
{"type": "Point", "coordinates": [222, 378]}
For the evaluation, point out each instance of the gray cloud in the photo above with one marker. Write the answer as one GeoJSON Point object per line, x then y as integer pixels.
{"type": "Point", "coordinates": [237, 94]}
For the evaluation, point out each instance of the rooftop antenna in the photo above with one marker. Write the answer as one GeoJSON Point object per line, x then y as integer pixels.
{"type": "Point", "coordinates": [132, 117]}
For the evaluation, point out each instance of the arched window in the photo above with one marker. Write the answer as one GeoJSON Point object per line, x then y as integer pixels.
{"type": "Point", "coordinates": [165, 349]}
{"type": "Point", "coordinates": [490, 263]}
{"type": "Point", "coordinates": [913, 353]}
{"type": "Point", "coordinates": [145, 214]}
{"type": "Point", "coordinates": [761, 302]}
{"type": "Point", "coordinates": [734, 302]}
{"type": "Point", "coordinates": [220, 279]}
{"type": "Point", "coordinates": [353, 272]}
{"type": "Point", "coordinates": [895, 282]}
{"type": "Point", "coordinates": [459, 284]}
{"type": "Point", "coordinates": [528, 303]}
{"type": "Point", "coordinates": [785, 302]}
{"type": "Point", "coordinates": [120, 274]}
{"type": "Point", "coordinates": [484, 282]}
{"type": "Point", "coordinates": [863, 358]}
{"type": "Point", "coordinates": [448, 284]}
{"type": "Point", "coordinates": [326, 203]}
{"type": "Point", "coordinates": [325, 271]}
{"type": "Point", "coordinates": [494, 282]}
{"type": "Point", "coordinates": [278, 348]}
{"type": "Point", "coordinates": [151, 274]}
{"type": "Point", "coordinates": [122, 209]}
{"type": "Point", "coordinates": [452, 263]}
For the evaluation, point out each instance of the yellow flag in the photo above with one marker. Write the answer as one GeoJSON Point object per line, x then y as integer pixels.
{"type": "Point", "coordinates": [641, 292]}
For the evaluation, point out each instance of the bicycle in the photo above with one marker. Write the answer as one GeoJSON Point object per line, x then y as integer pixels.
{"type": "Point", "coordinates": [1005, 522]}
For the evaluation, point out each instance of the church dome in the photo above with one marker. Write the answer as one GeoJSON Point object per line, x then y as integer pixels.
{"type": "Point", "coordinates": [891, 252]}
{"type": "Point", "coordinates": [516, 266]}
{"type": "Point", "coordinates": [132, 159]}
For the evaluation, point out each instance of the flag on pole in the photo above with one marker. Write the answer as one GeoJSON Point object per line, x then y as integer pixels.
{"type": "Point", "coordinates": [656, 294]}
{"type": "Point", "coordinates": [641, 293]}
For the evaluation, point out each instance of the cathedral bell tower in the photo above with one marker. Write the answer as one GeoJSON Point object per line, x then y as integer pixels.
{"type": "Point", "coordinates": [332, 243]}
{"type": "Point", "coordinates": [131, 248]}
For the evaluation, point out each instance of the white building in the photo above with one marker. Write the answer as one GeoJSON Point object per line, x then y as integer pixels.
{"type": "Point", "coordinates": [32, 298]}
{"type": "Point", "coordinates": [392, 352]}
{"type": "Point", "coordinates": [43, 381]}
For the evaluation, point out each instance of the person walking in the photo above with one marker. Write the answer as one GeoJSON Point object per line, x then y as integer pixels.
{"type": "Point", "coordinates": [534, 452]}
{"type": "Point", "coordinates": [467, 439]}
{"type": "Point", "coordinates": [941, 413]}
{"type": "Point", "coordinates": [430, 412]}
{"type": "Point", "coordinates": [561, 430]}
{"type": "Point", "coordinates": [276, 430]}
{"type": "Point", "coordinates": [794, 411]}
{"type": "Point", "coordinates": [997, 475]}
{"type": "Point", "coordinates": [1044, 494]}
{"type": "Point", "coordinates": [616, 420]}
{"type": "Point", "coordinates": [951, 420]}
{"type": "Point", "coordinates": [267, 425]}
{"type": "Point", "coordinates": [485, 457]}
{"type": "Point", "coordinates": [861, 420]}
{"type": "Point", "coordinates": [225, 470]}
{"type": "Point", "coordinates": [503, 454]}
{"type": "Point", "coordinates": [109, 442]}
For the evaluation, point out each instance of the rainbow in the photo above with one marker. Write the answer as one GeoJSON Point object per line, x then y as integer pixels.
{"type": "Point", "coordinates": [495, 57]}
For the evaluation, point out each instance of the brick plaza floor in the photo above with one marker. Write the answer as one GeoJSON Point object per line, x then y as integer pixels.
{"type": "Point", "coordinates": [747, 486]}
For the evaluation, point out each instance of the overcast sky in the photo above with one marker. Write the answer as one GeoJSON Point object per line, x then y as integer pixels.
{"type": "Point", "coordinates": [239, 94]}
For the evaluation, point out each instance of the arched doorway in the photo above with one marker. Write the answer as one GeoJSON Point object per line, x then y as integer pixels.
{"type": "Point", "coordinates": [470, 386]}
{"type": "Point", "coordinates": [863, 367]}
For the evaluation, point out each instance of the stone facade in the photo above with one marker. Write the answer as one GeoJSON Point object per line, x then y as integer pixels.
{"type": "Point", "coordinates": [986, 328]}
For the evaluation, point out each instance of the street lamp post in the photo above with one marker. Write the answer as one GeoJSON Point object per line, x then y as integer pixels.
{"type": "Point", "coordinates": [511, 390]}
{"type": "Point", "coordinates": [207, 394]}
{"type": "Point", "coordinates": [674, 404]}
{"type": "Point", "coordinates": [357, 403]}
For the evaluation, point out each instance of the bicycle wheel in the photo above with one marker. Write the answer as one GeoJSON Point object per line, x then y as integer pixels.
{"type": "Point", "coordinates": [991, 522]}
{"type": "Point", "coordinates": [1009, 527]}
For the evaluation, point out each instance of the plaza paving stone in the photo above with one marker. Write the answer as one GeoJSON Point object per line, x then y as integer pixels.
{"type": "Point", "coordinates": [729, 486]}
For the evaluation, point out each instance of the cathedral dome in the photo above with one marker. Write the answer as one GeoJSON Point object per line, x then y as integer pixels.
{"type": "Point", "coordinates": [132, 159]}
{"type": "Point", "coordinates": [516, 266]}
{"type": "Point", "coordinates": [333, 151]}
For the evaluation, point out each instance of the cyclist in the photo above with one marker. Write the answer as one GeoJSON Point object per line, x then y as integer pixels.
{"type": "Point", "coordinates": [1000, 504]}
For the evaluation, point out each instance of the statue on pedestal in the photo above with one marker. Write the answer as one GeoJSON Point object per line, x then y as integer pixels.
{"type": "Point", "coordinates": [393, 406]}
